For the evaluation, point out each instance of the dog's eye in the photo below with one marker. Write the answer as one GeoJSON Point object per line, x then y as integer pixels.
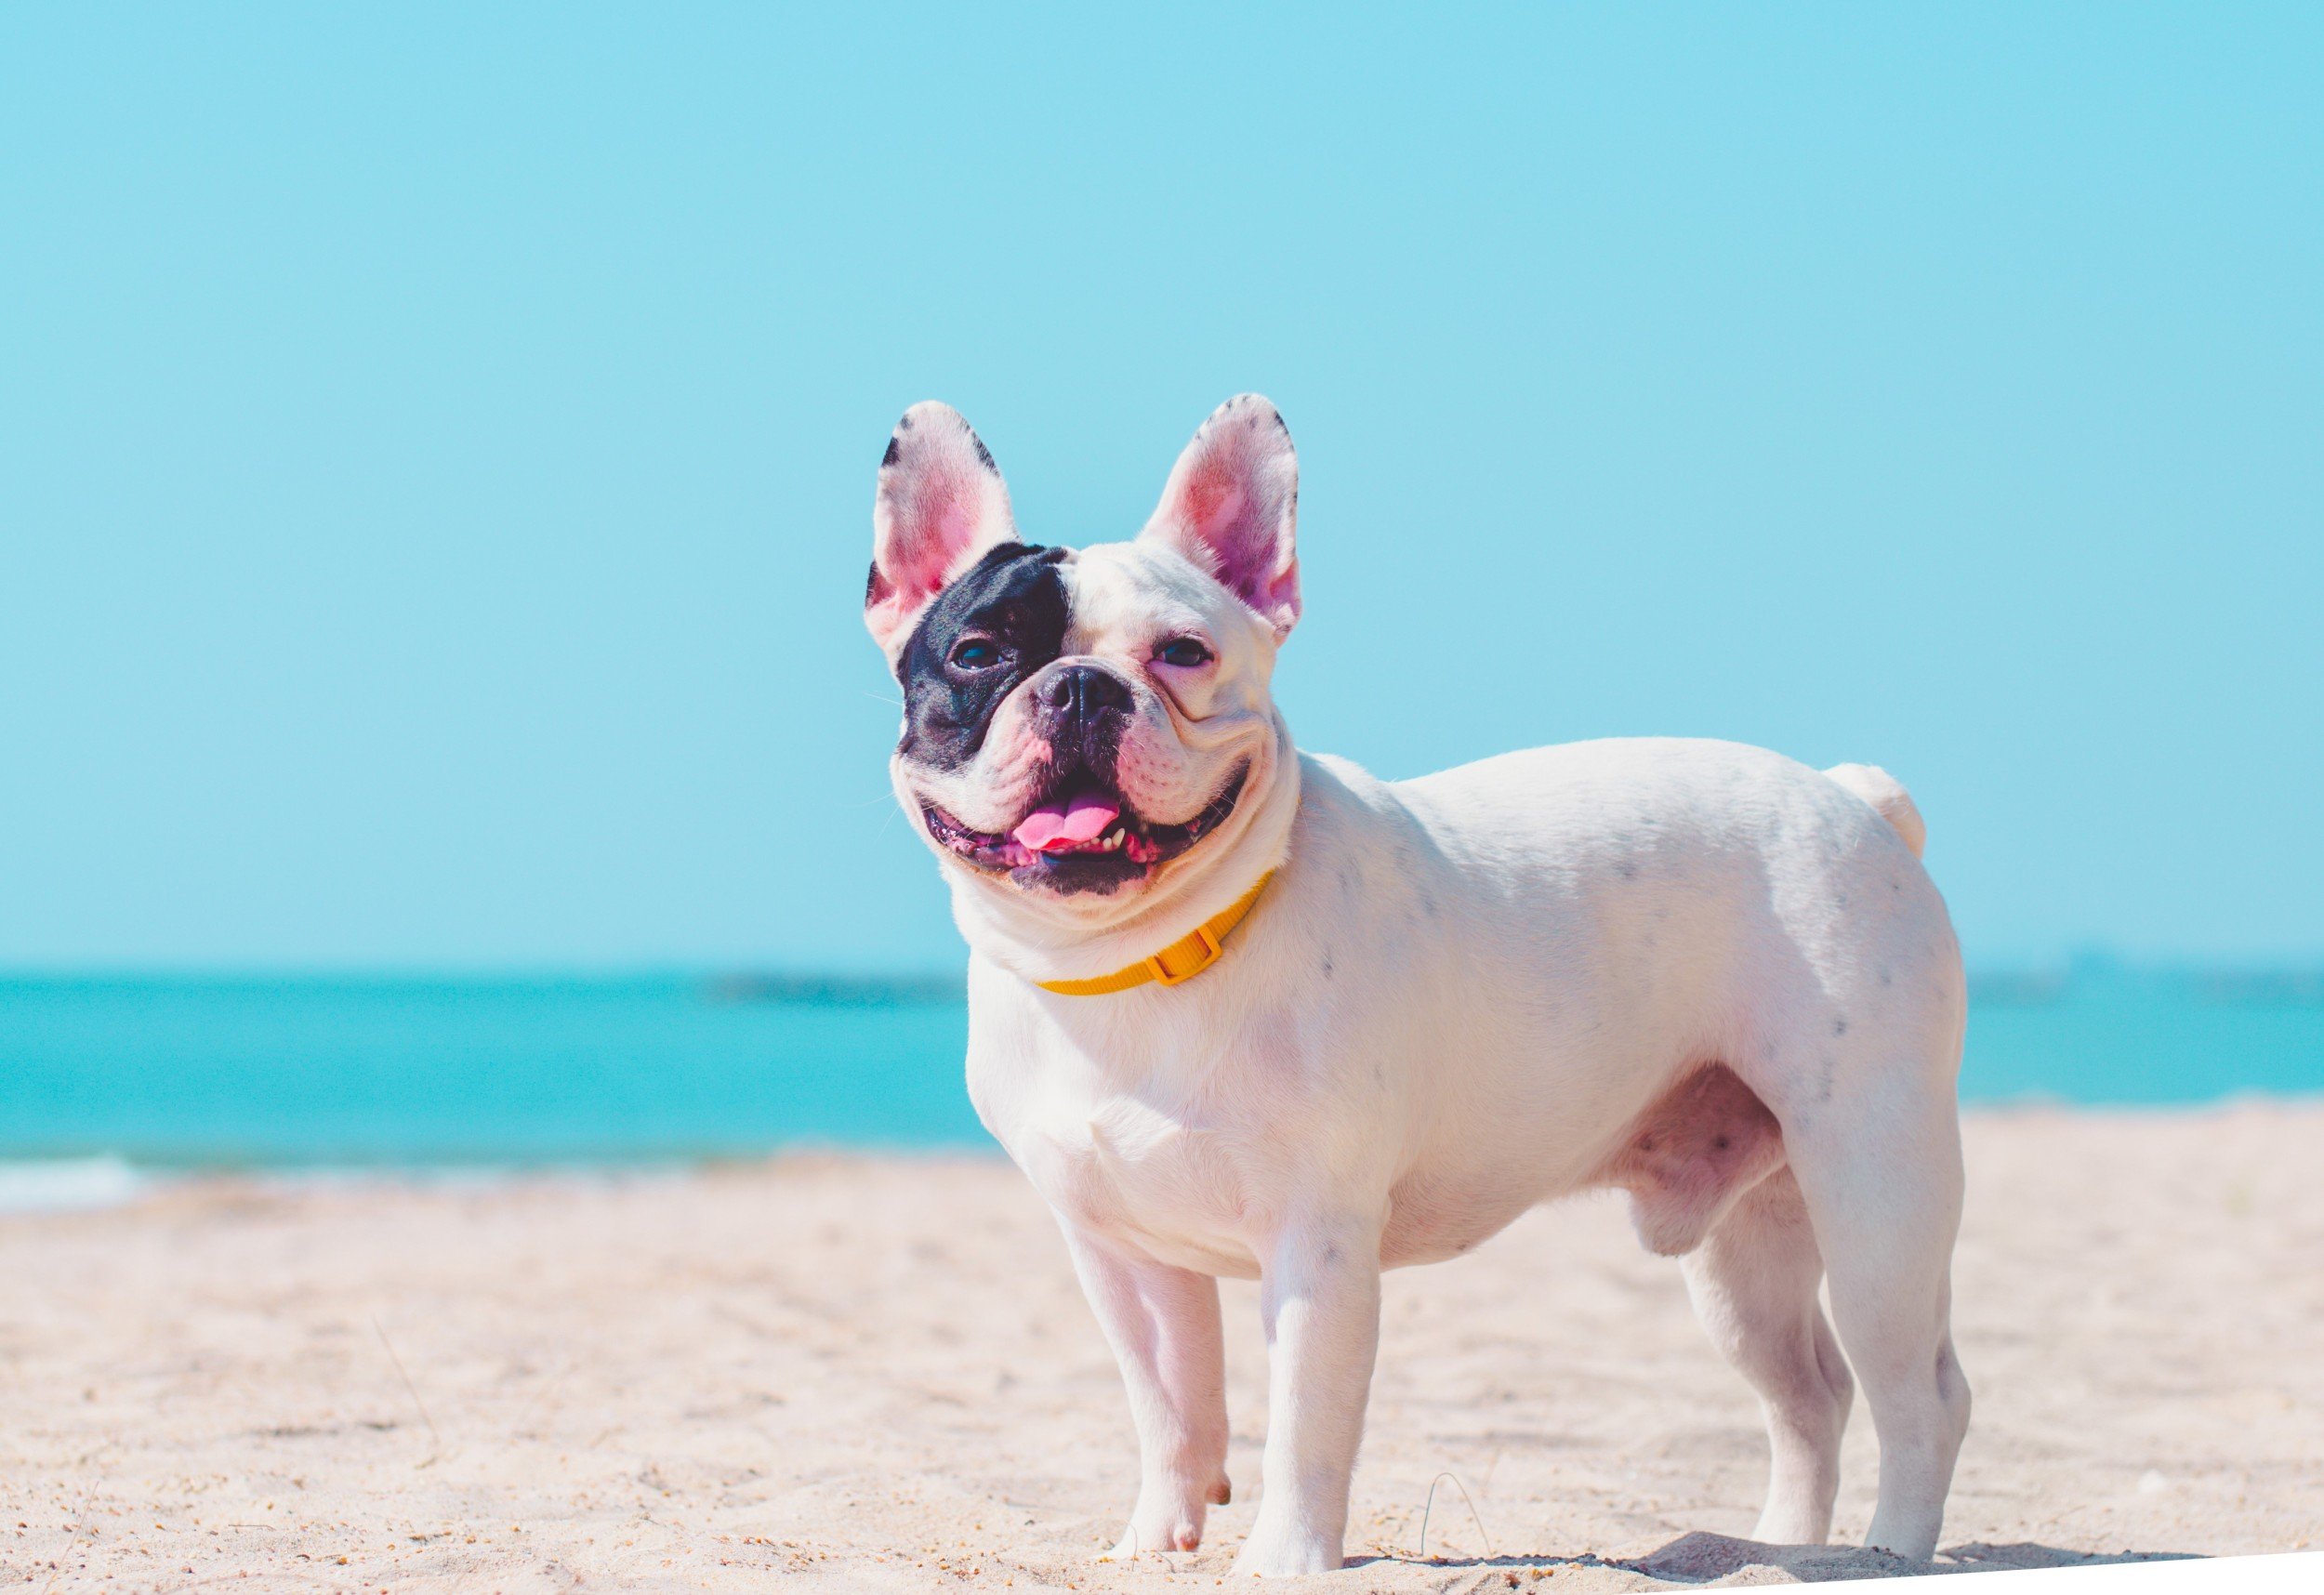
{"type": "Point", "coordinates": [1184, 652]}
{"type": "Point", "coordinates": [976, 654]}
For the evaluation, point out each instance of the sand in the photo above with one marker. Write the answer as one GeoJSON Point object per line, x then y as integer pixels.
{"type": "Point", "coordinates": [843, 1373]}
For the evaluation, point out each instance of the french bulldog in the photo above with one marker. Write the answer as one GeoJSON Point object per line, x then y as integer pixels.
{"type": "Point", "coordinates": [1242, 1011]}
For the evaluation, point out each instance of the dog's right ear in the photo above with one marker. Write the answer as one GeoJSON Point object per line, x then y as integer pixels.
{"type": "Point", "coordinates": [940, 504]}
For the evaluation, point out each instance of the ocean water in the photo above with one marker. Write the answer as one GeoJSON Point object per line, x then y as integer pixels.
{"type": "Point", "coordinates": [339, 1072]}
{"type": "Point", "coordinates": [102, 1080]}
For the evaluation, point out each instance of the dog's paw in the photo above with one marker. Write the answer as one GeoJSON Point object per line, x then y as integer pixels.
{"type": "Point", "coordinates": [1287, 1553]}
{"type": "Point", "coordinates": [1163, 1537]}
{"type": "Point", "coordinates": [1148, 1538]}
{"type": "Point", "coordinates": [1171, 1522]}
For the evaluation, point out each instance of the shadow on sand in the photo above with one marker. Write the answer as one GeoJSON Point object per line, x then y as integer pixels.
{"type": "Point", "coordinates": [1700, 1558]}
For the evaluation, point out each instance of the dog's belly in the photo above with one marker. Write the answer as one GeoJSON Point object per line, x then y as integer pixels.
{"type": "Point", "coordinates": [1682, 1161]}
{"type": "Point", "coordinates": [1183, 1197]}
{"type": "Point", "coordinates": [1434, 1216]}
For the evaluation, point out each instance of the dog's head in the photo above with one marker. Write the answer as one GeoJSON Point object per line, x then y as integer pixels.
{"type": "Point", "coordinates": [1079, 724]}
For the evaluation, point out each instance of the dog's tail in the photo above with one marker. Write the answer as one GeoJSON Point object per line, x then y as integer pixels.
{"type": "Point", "coordinates": [1887, 794]}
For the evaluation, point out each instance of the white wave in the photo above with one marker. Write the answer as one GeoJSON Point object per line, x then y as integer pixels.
{"type": "Point", "coordinates": [69, 1184]}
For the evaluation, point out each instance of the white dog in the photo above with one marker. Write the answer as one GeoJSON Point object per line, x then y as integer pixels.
{"type": "Point", "coordinates": [1237, 1010]}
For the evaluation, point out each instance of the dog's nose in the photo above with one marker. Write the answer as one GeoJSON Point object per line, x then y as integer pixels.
{"type": "Point", "coordinates": [1081, 691]}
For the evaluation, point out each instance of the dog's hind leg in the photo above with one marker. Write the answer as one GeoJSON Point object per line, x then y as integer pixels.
{"type": "Point", "coordinates": [1753, 1281]}
{"type": "Point", "coordinates": [1882, 1184]}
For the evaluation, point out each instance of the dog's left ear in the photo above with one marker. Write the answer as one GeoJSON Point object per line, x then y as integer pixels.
{"type": "Point", "coordinates": [1232, 505]}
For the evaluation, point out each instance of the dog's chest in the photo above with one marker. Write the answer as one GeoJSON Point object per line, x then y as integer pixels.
{"type": "Point", "coordinates": [1143, 1172]}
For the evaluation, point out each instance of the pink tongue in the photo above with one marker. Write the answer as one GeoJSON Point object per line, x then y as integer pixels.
{"type": "Point", "coordinates": [1054, 827]}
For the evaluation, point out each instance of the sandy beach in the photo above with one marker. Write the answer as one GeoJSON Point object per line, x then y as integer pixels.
{"type": "Point", "coordinates": [879, 1375]}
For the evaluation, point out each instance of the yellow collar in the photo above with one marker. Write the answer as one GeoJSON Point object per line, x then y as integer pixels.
{"type": "Point", "coordinates": [1182, 960]}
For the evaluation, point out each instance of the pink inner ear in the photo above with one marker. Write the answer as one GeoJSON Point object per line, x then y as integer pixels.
{"type": "Point", "coordinates": [937, 524]}
{"type": "Point", "coordinates": [1231, 504]}
{"type": "Point", "coordinates": [941, 500]}
{"type": "Point", "coordinates": [1213, 497]}
{"type": "Point", "coordinates": [1236, 533]}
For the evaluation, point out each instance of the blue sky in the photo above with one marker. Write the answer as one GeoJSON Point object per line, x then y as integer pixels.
{"type": "Point", "coordinates": [436, 451]}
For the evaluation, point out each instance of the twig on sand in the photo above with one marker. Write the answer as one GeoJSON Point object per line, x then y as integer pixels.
{"type": "Point", "coordinates": [538, 1399]}
{"type": "Point", "coordinates": [435, 1440]}
{"type": "Point", "coordinates": [1430, 1505]}
{"type": "Point", "coordinates": [80, 1513]}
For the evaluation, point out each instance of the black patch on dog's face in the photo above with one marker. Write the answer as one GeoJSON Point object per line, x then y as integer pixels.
{"type": "Point", "coordinates": [1013, 596]}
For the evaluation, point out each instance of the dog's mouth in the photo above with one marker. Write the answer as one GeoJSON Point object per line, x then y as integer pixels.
{"type": "Point", "coordinates": [1082, 836]}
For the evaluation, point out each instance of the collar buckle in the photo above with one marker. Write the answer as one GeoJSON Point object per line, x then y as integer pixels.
{"type": "Point", "coordinates": [1202, 946]}
{"type": "Point", "coordinates": [1176, 964]}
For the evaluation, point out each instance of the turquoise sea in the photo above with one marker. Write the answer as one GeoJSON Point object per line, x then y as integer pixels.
{"type": "Point", "coordinates": [329, 1072]}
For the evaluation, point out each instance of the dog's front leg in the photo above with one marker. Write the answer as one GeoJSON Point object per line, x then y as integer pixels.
{"type": "Point", "coordinates": [1163, 1325]}
{"type": "Point", "coordinates": [1319, 1293]}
